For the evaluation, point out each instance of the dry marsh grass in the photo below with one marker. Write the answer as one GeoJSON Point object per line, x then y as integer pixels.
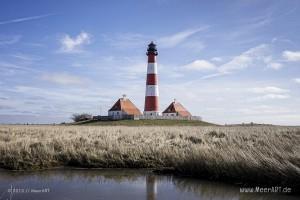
{"type": "Point", "coordinates": [267, 154]}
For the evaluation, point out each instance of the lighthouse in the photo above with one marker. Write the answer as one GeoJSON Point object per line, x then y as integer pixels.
{"type": "Point", "coordinates": [151, 96]}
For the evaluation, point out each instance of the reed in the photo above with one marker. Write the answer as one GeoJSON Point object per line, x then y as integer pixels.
{"type": "Point", "coordinates": [268, 154]}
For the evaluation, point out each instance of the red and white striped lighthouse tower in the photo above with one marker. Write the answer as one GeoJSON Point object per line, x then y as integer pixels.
{"type": "Point", "coordinates": [151, 98]}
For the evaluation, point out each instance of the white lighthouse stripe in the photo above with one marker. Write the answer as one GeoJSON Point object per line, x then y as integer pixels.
{"type": "Point", "coordinates": [152, 90]}
{"type": "Point", "coordinates": [152, 68]}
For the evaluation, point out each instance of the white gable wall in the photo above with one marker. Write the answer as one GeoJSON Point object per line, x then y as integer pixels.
{"type": "Point", "coordinates": [169, 114]}
{"type": "Point", "coordinates": [118, 114]}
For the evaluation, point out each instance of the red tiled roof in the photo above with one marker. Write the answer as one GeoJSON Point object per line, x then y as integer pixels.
{"type": "Point", "coordinates": [176, 107]}
{"type": "Point", "coordinates": [125, 105]}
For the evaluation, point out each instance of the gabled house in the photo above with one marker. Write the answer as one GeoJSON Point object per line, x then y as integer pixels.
{"type": "Point", "coordinates": [176, 109]}
{"type": "Point", "coordinates": [123, 108]}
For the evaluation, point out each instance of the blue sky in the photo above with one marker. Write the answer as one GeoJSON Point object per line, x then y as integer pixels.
{"type": "Point", "coordinates": [227, 61]}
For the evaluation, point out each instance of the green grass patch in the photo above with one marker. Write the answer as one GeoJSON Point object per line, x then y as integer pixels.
{"type": "Point", "coordinates": [145, 123]}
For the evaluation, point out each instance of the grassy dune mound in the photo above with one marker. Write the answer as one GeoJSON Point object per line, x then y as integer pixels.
{"type": "Point", "coordinates": [265, 154]}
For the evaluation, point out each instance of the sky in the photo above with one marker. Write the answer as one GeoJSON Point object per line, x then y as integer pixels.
{"type": "Point", "coordinates": [229, 61]}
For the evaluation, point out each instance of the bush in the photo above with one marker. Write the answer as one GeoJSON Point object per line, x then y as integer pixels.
{"type": "Point", "coordinates": [81, 117]}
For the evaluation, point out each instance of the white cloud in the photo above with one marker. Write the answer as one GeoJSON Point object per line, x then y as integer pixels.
{"type": "Point", "coordinates": [264, 110]}
{"type": "Point", "coordinates": [268, 89]}
{"type": "Point", "coordinates": [268, 60]}
{"type": "Point", "coordinates": [26, 57]}
{"type": "Point", "coordinates": [74, 45]}
{"type": "Point", "coordinates": [134, 40]}
{"type": "Point", "coordinates": [200, 65]}
{"type": "Point", "coordinates": [11, 68]}
{"type": "Point", "coordinates": [217, 59]}
{"type": "Point", "coordinates": [245, 60]}
{"type": "Point", "coordinates": [242, 61]}
{"type": "Point", "coordinates": [291, 55]}
{"type": "Point", "coordinates": [212, 75]}
{"type": "Point", "coordinates": [251, 57]}
{"type": "Point", "coordinates": [269, 92]}
{"type": "Point", "coordinates": [296, 80]}
{"type": "Point", "coordinates": [23, 19]}
{"type": "Point", "coordinates": [274, 65]}
{"type": "Point", "coordinates": [63, 79]}
{"type": "Point", "coordinates": [237, 63]}
{"type": "Point", "coordinates": [177, 38]}
{"type": "Point", "coordinates": [272, 96]}
{"type": "Point", "coordinates": [6, 40]}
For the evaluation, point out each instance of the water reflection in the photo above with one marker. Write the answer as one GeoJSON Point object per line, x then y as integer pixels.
{"type": "Point", "coordinates": [151, 187]}
{"type": "Point", "coordinates": [215, 190]}
{"type": "Point", "coordinates": [117, 184]}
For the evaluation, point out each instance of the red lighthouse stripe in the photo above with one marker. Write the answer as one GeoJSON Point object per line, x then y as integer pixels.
{"type": "Point", "coordinates": [151, 79]}
{"type": "Point", "coordinates": [151, 58]}
{"type": "Point", "coordinates": [151, 103]}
